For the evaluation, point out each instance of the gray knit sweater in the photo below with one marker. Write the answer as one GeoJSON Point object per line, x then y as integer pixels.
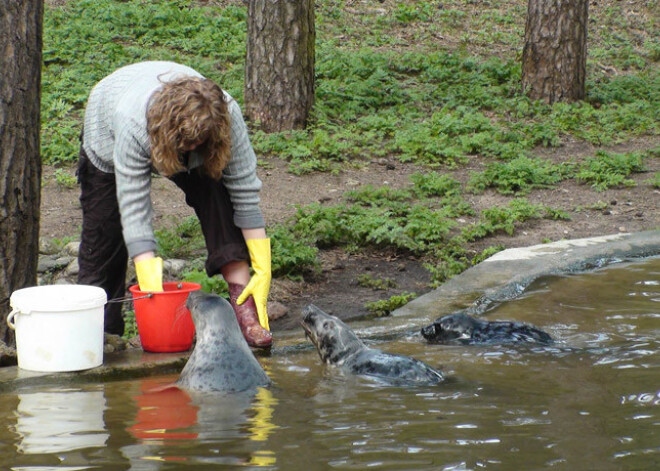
{"type": "Point", "coordinates": [116, 141]}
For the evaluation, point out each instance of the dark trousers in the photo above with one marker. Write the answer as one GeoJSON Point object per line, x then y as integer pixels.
{"type": "Point", "coordinates": [103, 256]}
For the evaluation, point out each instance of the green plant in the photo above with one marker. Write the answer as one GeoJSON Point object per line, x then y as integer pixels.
{"type": "Point", "coordinates": [385, 307]}
{"type": "Point", "coordinates": [369, 195]}
{"type": "Point", "coordinates": [486, 253]}
{"type": "Point", "coordinates": [411, 12]}
{"type": "Point", "coordinates": [130, 325]}
{"type": "Point", "coordinates": [60, 243]}
{"type": "Point", "coordinates": [214, 284]}
{"type": "Point", "coordinates": [408, 227]}
{"type": "Point", "coordinates": [598, 206]}
{"type": "Point", "coordinates": [518, 176]}
{"type": "Point", "coordinates": [65, 179]}
{"type": "Point", "coordinates": [556, 214]}
{"type": "Point", "coordinates": [291, 256]}
{"type": "Point", "coordinates": [435, 184]}
{"type": "Point", "coordinates": [182, 241]}
{"type": "Point", "coordinates": [444, 268]}
{"type": "Point", "coordinates": [502, 219]}
{"type": "Point", "coordinates": [655, 181]}
{"type": "Point", "coordinates": [426, 105]}
{"type": "Point", "coordinates": [368, 281]}
{"type": "Point", "coordinates": [606, 170]}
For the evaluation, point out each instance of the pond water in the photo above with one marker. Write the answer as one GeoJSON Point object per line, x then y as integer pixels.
{"type": "Point", "coordinates": [591, 401]}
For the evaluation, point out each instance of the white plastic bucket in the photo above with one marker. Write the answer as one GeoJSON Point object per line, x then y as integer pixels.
{"type": "Point", "coordinates": [58, 327]}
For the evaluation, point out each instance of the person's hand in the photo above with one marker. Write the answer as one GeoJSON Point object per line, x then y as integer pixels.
{"type": "Point", "coordinates": [149, 272]}
{"type": "Point", "coordinates": [259, 285]}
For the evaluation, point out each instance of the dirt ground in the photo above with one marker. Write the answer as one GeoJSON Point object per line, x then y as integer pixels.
{"type": "Point", "coordinates": [336, 289]}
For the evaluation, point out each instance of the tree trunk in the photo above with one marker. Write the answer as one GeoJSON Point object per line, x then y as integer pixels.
{"type": "Point", "coordinates": [20, 163]}
{"type": "Point", "coordinates": [279, 66]}
{"type": "Point", "coordinates": [555, 52]}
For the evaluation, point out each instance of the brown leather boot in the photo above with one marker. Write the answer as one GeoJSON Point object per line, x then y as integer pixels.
{"type": "Point", "coordinates": [246, 314]}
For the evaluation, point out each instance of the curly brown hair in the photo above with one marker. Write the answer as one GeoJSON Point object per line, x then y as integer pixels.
{"type": "Point", "coordinates": [185, 113]}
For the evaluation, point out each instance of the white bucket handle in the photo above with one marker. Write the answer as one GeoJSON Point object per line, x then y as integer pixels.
{"type": "Point", "coordinates": [10, 319]}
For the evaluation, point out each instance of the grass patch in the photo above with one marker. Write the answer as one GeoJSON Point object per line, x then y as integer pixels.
{"type": "Point", "coordinates": [423, 104]}
{"type": "Point", "coordinates": [291, 257]}
{"type": "Point", "coordinates": [130, 325]}
{"type": "Point", "coordinates": [379, 284]}
{"type": "Point", "coordinates": [185, 240]}
{"type": "Point", "coordinates": [213, 284]}
{"type": "Point", "coordinates": [386, 306]}
{"type": "Point", "coordinates": [518, 176]}
{"type": "Point", "coordinates": [607, 170]}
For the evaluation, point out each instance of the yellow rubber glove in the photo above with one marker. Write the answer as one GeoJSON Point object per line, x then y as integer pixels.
{"type": "Point", "coordinates": [259, 285]}
{"type": "Point", "coordinates": [149, 272]}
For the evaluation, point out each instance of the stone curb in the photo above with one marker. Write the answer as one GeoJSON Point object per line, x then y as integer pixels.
{"type": "Point", "coordinates": [127, 364]}
{"type": "Point", "coordinates": [506, 274]}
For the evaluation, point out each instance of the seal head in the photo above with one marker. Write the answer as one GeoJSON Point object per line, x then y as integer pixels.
{"type": "Point", "coordinates": [221, 359]}
{"type": "Point", "coordinates": [334, 340]}
{"type": "Point", "coordinates": [338, 346]}
{"type": "Point", "coordinates": [464, 329]}
{"type": "Point", "coordinates": [454, 327]}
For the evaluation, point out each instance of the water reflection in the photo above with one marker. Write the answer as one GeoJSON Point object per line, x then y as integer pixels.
{"type": "Point", "coordinates": [60, 421]}
{"type": "Point", "coordinates": [51, 468]}
{"type": "Point", "coordinates": [588, 401]}
{"type": "Point", "coordinates": [167, 416]}
{"type": "Point", "coordinates": [163, 413]}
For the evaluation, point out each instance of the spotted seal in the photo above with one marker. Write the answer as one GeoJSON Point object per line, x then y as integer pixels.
{"type": "Point", "coordinates": [221, 359]}
{"type": "Point", "coordinates": [338, 345]}
{"type": "Point", "coordinates": [464, 329]}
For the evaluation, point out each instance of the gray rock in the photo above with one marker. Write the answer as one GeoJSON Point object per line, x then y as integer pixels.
{"type": "Point", "coordinates": [72, 249]}
{"type": "Point", "coordinates": [47, 246]}
{"type": "Point", "coordinates": [8, 355]}
{"type": "Point", "coordinates": [61, 279]}
{"type": "Point", "coordinates": [114, 343]}
{"type": "Point", "coordinates": [276, 310]}
{"type": "Point", "coordinates": [72, 268]}
{"type": "Point", "coordinates": [175, 267]}
{"type": "Point", "coordinates": [49, 263]}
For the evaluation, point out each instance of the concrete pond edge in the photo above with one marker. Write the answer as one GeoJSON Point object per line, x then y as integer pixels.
{"type": "Point", "coordinates": [506, 275]}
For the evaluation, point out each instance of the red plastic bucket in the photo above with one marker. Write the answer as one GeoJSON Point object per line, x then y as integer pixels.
{"type": "Point", "coordinates": [163, 320]}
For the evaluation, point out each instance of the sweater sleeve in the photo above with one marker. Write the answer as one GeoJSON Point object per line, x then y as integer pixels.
{"type": "Point", "coordinates": [240, 175]}
{"type": "Point", "coordinates": [133, 177]}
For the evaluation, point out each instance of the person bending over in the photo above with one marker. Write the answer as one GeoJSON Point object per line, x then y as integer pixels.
{"type": "Point", "coordinates": [167, 118]}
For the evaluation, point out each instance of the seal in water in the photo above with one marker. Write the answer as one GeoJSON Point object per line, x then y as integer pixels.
{"type": "Point", "coordinates": [461, 328]}
{"type": "Point", "coordinates": [338, 345]}
{"type": "Point", "coordinates": [221, 359]}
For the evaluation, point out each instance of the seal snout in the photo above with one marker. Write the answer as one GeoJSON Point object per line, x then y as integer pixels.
{"type": "Point", "coordinates": [449, 327]}
{"type": "Point", "coordinates": [193, 298]}
{"type": "Point", "coordinates": [311, 315]}
{"type": "Point", "coordinates": [430, 332]}
{"type": "Point", "coordinates": [308, 319]}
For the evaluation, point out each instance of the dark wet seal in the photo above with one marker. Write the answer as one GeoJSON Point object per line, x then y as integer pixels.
{"type": "Point", "coordinates": [338, 345]}
{"type": "Point", "coordinates": [221, 359]}
{"type": "Point", "coordinates": [463, 329]}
